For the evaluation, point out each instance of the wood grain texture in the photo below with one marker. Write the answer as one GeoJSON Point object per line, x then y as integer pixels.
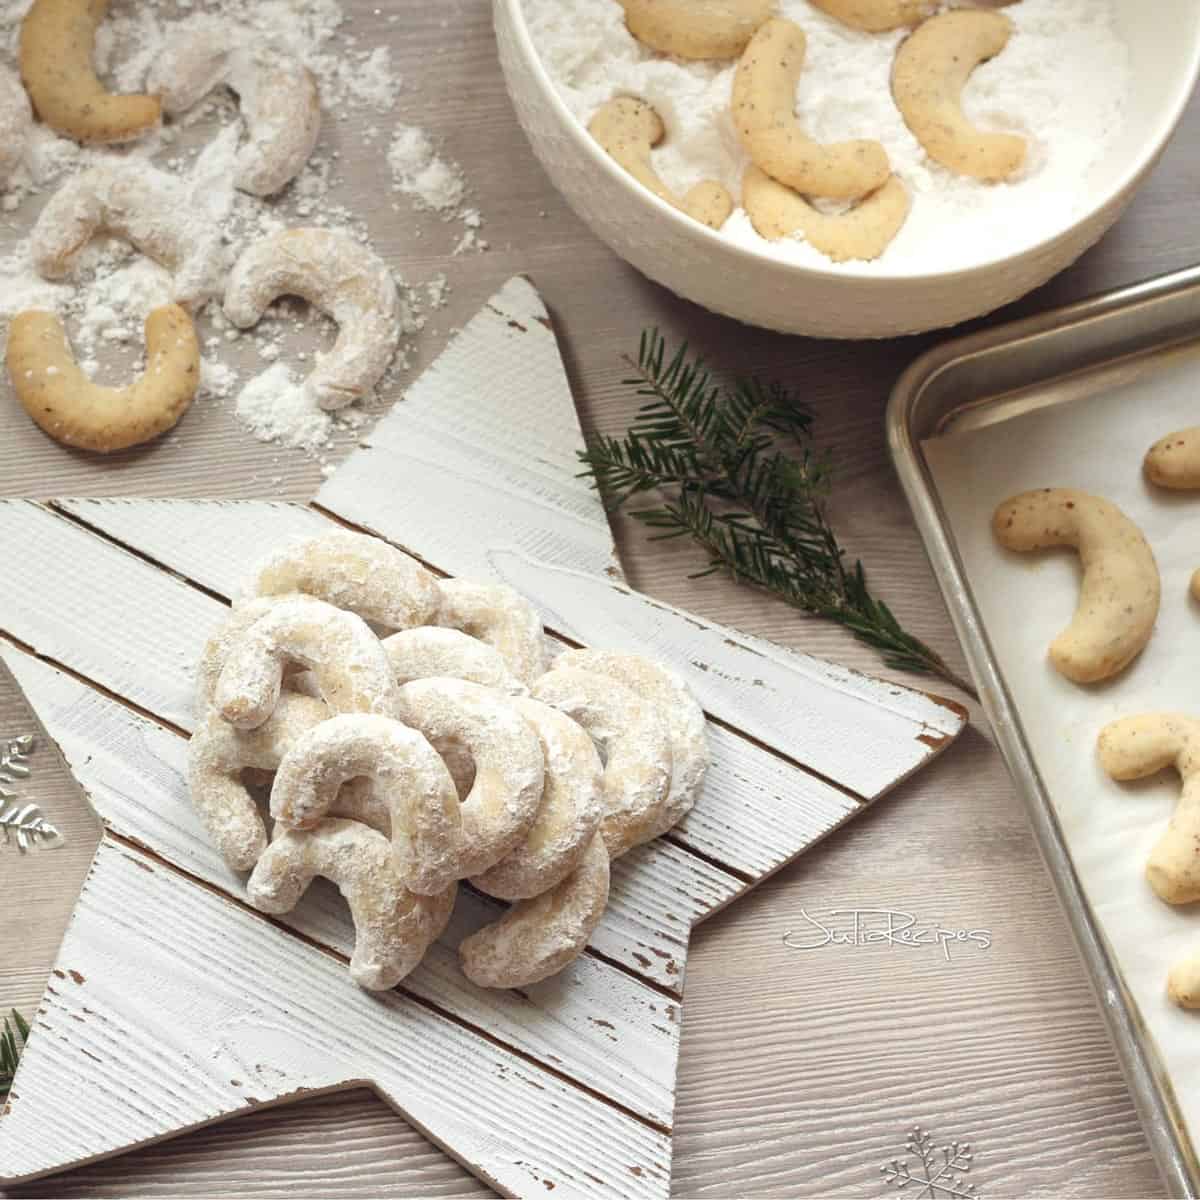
{"type": "Point", "coordinates": [125, 983]}
{"type": "Point", "coordinates": [90, 629]}
{"type": "Point", "coordinates": [39, 895]}
{"type": "Point", "coordinates": [797, 704]}
{"type": "Point", "coordinates": [888, 1036]}
{"type": "Point", "coordinates": [487, 438]}
{"type": "Point", "coordinates": [787, 1121]}
{"type": "Point", "coordinates": [229, 538]}
{"type": "Point", "coordinates": [756, 809]}
{"type": "Point", "coordinates": [597, 1024]}
{"type": "Point", "coordinates": [377, 1153]}
{"type": "Point", "coordinates": [658, 892]}
{"type": "Point", "coordinates": [107, 628]}
{"type": "Point", "coordinates": [136, 771]}
{"type": "Point", "coordinates": [444, 461]}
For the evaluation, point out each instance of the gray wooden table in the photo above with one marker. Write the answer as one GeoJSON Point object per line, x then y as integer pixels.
{"type": "Point", "coordinates": [801, 1070]}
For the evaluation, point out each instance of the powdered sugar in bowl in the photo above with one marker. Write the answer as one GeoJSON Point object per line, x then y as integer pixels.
{"type": "Point", "coordinates": [1096, 87]}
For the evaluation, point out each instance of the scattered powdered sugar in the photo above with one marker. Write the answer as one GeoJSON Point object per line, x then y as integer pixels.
{"type": "Point", "coordinates": [368, 79]}
{"type": "Point", "coordinates": [420, 173]}
{"type": "Point", "coordinates": [111, 288]}
{"type": "Point", "coordinates": [438, 291]}
{"type": "Point", "coordinates": [216, 378]}
{"type": "Point", "coordinates": [112, 292]}
{"type": "Point", "coordinates": [119, 302]}
{"type": "Point", "coordinates": [432, 183]}
{"type": "Point", "coordinates": [470, 239]}
{"type": "Point", "coordinates": [277, 408]}
{"type": "Point", "coordinates": [1062, 81]}
{"type": "Point", "coordinates": [22, 288]}
{"type": "Point", "coordinates": [126, 45]}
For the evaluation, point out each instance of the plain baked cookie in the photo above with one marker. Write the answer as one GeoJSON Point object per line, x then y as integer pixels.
{"type": "Point", "coordinates": [1120, 590]}
{"type": "Point", "coordinates": [73, 410]}
{"type": "Point", "coordinates": [57, 38]}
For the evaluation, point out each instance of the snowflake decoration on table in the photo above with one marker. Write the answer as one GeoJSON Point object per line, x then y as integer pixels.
{"type": "Point", "coordinates": [21, 824]}
{"type": "Point", "coordinates": [938, 1171]}
{"type": "Point", "coordinates": [14, 762]}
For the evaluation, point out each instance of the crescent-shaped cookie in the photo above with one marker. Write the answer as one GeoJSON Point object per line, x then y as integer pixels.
{"type": "Point", "coordinates": [1120, 589]}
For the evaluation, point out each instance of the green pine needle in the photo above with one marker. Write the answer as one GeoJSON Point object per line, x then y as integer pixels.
{"type": "Point", "coordinates": [12, 1041]}
{"type": "Point", "coordinates": [711, 455]}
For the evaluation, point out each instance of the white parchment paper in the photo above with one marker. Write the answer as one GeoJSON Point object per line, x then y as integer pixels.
{"type": "Point", "coordinates": [1095, 443]}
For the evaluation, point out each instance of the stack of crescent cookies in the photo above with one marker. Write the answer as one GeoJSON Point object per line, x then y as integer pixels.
{"type": "Point", "coordinates": [446, 749]}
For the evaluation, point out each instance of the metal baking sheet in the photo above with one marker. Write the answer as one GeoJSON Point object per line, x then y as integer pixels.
{"type": "Point", "coordinates": [1109, 358]}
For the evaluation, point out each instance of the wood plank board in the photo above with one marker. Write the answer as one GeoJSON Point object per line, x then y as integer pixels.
{"type": "Point", "coordinates": [154, 1025]}
{"type": "Point", "coordinates": [97, 589]}
{"type": "Point", "coordinates": [1028, 1074]}
{"type": "Point", "coordinates": [131, 603]}
{"type": "Point", "coordinates": [601, 1026]}
{"type": "Point", "coordinates": [801, 706]}
{"type": "Point", "coordinates": [755, 806]}
{"type": "Point", "coordinates": [218, 556]}
{"type": "Point", "coordinates": [536, 525]}
{"type": "Point", "coordinates": [117, 586]}
{"type": "Point", "coordinates": [487, 442]}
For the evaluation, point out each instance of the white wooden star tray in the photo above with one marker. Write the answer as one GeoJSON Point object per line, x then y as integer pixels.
{"type": "Point", "coordinates": [174, 1004]}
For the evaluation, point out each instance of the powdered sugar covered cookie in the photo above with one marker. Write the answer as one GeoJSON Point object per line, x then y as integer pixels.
{"type": "Point", "coordinates": [347, 662]}
{"type": "Point", "coordinates": [407, 779]}
{"type": "Point", "coordinates": [568, 816]}
{"type": "Point", "coordinates": [633, 738]}
{"type": "Point", "coordinates": [362, 574]}
{"type": "Point", "coordinates": [508, 765]}
{"type": "Point", "coordinates": [16, 123]}
{"type": "Point", "coordinates": [342, 278]}
{"type": "Point", "coordinates": [539, 937]}
{"type": "Point", "coordinates": [150, 209]}
{"type": "Point", "coordinates": [393, 926]}
{"type": "Point", "coordinates": [278, 95]}
{"type": "Point", "coordinates": [502, 617]}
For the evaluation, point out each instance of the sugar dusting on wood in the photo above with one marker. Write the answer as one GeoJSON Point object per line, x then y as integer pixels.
{"type": "Point", "coordinates": [107, 297]}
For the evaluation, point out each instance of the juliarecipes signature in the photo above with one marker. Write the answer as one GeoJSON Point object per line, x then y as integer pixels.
{"type": "Point", "coordinates": [878, 926]}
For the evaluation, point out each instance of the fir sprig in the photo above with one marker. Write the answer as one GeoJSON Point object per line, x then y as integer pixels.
{"type": "Point", "coordinates": [713, 455]}
{"type": "Point", "coordinates": [12, 1041]}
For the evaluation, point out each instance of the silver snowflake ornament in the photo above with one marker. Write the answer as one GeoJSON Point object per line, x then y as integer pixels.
{"type": "Point", "coordinates": [21, 824]}
{"type": "Point", "coordinates": [932, 1171]}
{"type": "Point", "coordinates": [14, 762]}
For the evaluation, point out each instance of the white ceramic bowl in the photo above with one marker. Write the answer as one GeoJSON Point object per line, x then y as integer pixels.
{"type": "Point", "coordinates": [1164, 46]}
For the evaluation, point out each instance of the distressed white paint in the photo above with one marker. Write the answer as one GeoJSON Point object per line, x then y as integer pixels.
{"type": "Point", "coordinates": [862, 733]}
{"type": "Point", "coordinates": [596, 1023]}
{"type": "Point", "coordinates": [172, 1007]}
{"type": "Point", "coordinates": [476, 448]}
{"type": "Point", "coordinates": [485, 443]}
{"type": "Point", "coordinates": [214, 543]}
{"type": "Point", "coordinates": [795, 703]}
{"type": "Point", "coordinates": [757, 812]}
{"type": "Point", "coordinates": [482, 452]}
{"type": "Point", "coordinates": [103, 612]}
{"type": "Point", "coordinates": [127, 615]}
{"type": "Point", "coordinates": [134, 773]}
